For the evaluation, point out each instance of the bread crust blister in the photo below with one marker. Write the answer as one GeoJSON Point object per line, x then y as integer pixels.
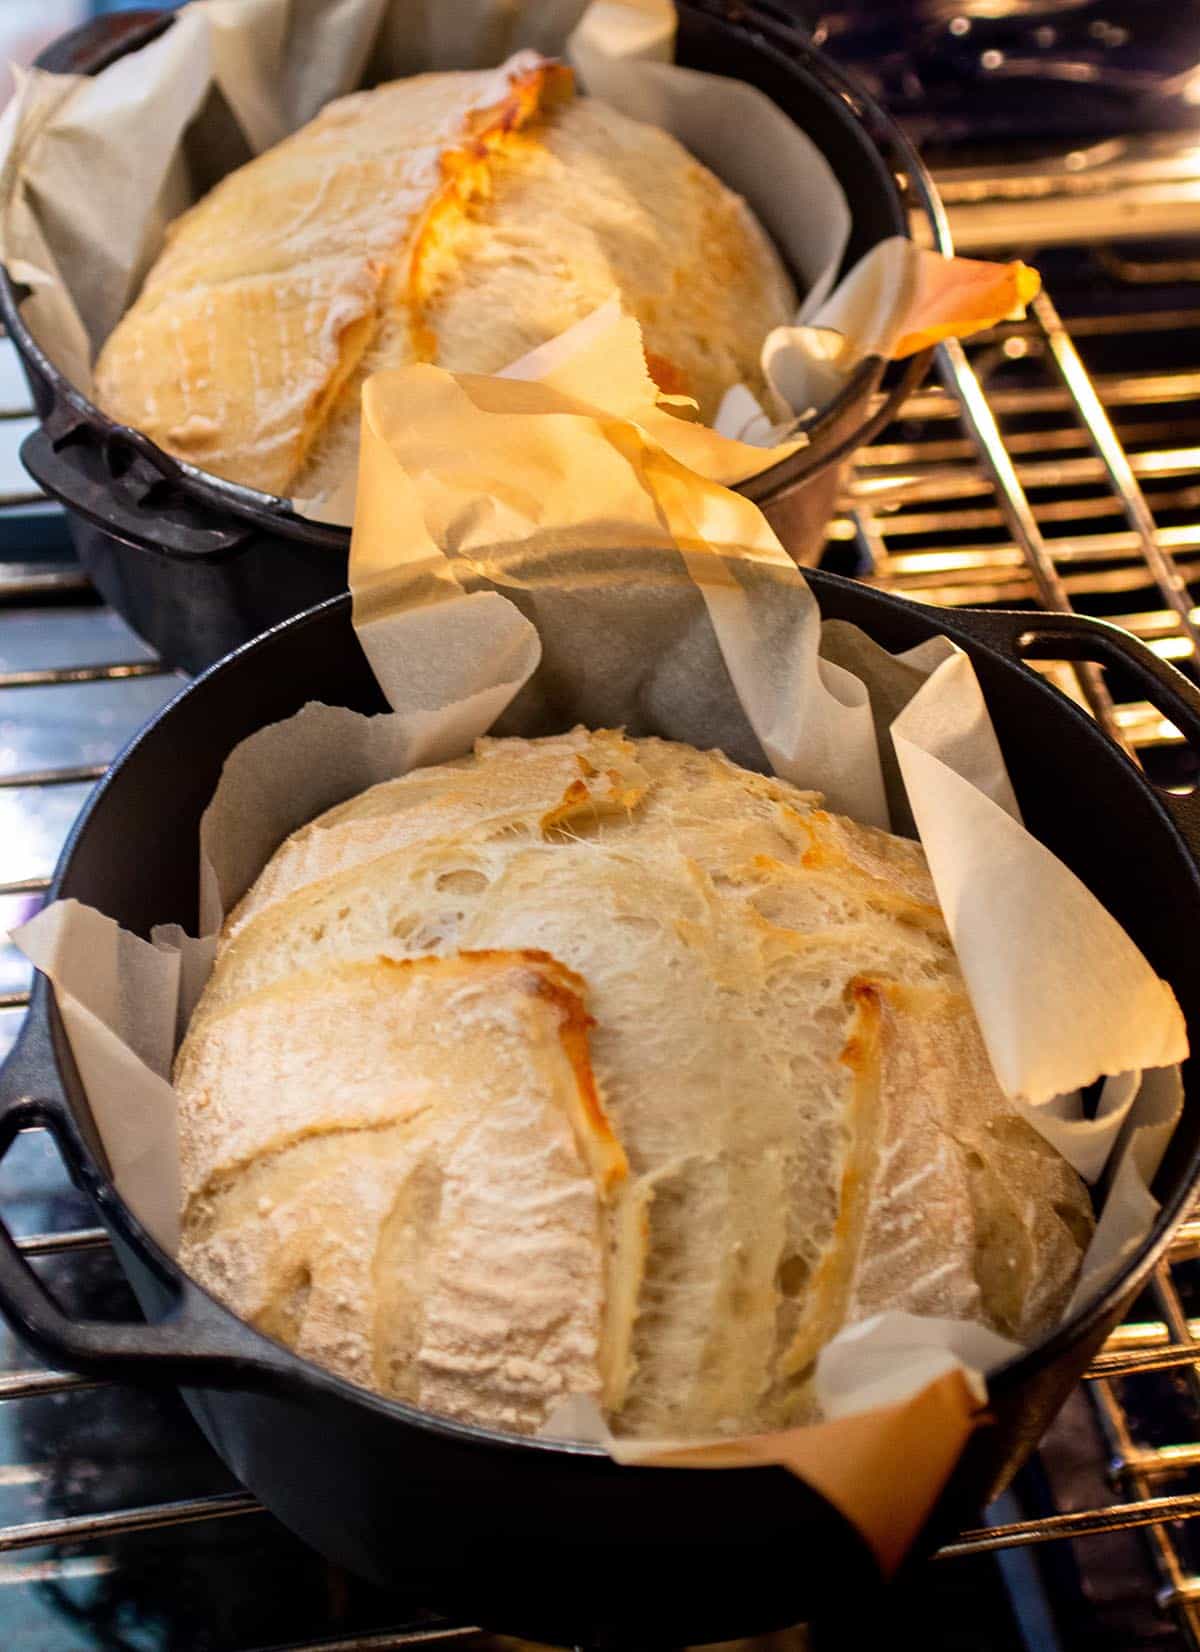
{"type": "Point", "coordinates": [756, 1103]}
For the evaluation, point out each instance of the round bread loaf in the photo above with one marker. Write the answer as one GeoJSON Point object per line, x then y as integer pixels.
{"type": "Point", "coordinates": [598, 1065]}
{"type": "Point", "coordinates": [457, 218]}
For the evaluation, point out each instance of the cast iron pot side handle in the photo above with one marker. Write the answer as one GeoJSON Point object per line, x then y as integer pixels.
{"type": "Point", "coordinates": [100, 41]}
{"type": "Point", "coordinates": [1038, 636]}
{"type": "Point", "coordinates": [135, 500]}
{"type": "Point", "coordinates": [121, 498]}
{"type": "Point", "coordinates": [198, 1343]}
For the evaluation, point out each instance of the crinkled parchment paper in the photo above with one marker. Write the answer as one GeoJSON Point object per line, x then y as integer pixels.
{"type": "Point", "coordinates": [525, 558]}
{"type": "Point", "coordinates": [93, 169]}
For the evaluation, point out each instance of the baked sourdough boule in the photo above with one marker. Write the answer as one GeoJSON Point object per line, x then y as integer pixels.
{"type": "Point", "coordinates": [597, 1065]}
{"type": "Point", "coordinates": [457, 218]}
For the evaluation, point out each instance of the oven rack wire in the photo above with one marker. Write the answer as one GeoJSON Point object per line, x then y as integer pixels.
{"type": "Point", "coordinates": [963, 475]}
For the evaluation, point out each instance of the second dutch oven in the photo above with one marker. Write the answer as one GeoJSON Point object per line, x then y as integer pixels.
{"type": "Point", "coordinates": [199, 565]}
{"type": "Point", "coordinates": [531, 1536]}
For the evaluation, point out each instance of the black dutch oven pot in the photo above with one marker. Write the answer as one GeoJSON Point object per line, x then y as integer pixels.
{"type": "Point", "coordinates": [556, 1541]}
{"type": "Point", "coordinates": [199, 565]}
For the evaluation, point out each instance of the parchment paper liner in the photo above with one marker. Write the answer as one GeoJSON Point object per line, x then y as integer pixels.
{"type": "Point", "coordinates": [92, 169]}
{"type": "Point", "coordinates": [496, 588]}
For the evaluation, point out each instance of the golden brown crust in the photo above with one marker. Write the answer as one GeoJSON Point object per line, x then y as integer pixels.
{"type": "Point", "coordinates": [398, 1167]}
{"type": "Point", "coordinates": [770, 1064]}
{"type": "Point", "coordinates": [250, 328]}
{"type": "Point", "coordinates": [463, 178]}
{"type": "Point", "coordinates": [456, 218]}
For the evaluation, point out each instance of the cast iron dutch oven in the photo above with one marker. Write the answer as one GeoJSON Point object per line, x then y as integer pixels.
{"type": "Point", "coordinates": [199, 565]}
{"type": "Point", "coordinates": [553, 1541]}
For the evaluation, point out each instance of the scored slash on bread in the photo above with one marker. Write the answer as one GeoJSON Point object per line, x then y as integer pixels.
{"type": "Point", "coordinates": [805, 1126]}
{"type": "Point", "coordinates": [270, 289]}
{"type": "Point", "coordinates": [350, 1132]}
{"type": "Point", "coordinates": [931, 1153]}
{"type": "Point", "coordinates": [459, 218]}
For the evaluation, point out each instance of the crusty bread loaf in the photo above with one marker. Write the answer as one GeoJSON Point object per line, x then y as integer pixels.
{"type": "Point", "coordinates": [457, 218]}
{"type": "Point", "coordinates": [735, 1024]}
{"type": "Point", "coordinates": [432, 1123]}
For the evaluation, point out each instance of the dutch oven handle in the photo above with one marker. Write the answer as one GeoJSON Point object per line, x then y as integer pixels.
{"type": "Point", "coordinates": [118, 480]}
{"type": "Point", "coordinates": [122, 485]}
{"type": "Point", "coordinates": [100, 41]}
{"type": "Point", "coordinates": [1078, 637]}
{"type": "Point", "coordinates": [198, 1343]}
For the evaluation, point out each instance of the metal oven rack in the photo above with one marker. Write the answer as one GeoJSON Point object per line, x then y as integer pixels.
{"type": "Point", "coordinates": [1007, 483]}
